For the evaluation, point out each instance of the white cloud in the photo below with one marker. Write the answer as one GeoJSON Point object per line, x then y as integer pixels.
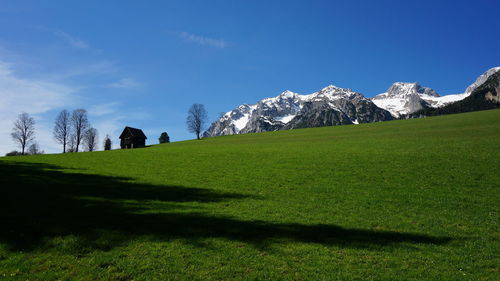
{"type": "Point", "coordinates": [35, 97]}
{"type": "Point", "coordinates": [104, 109]}
{"type": "Point", "coordinates": [124, 83]}
{"type": "Point", "coordinates": [73, 41]}
{"type": "Point", "coordinates": [42, 92]}
{"type": "Point", "coordinates": [202, 40]}
{"type": "Point", "coordinates": [103, 68]}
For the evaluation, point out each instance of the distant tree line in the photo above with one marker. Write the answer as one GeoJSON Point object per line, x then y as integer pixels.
{"type": "Point", "coordinates": [71, 129]}
{"type": "Point", "coordinates": [74, 132]}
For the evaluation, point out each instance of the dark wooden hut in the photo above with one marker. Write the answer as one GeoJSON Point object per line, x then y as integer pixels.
{"type": "Point", "coordinates": [132, 138]}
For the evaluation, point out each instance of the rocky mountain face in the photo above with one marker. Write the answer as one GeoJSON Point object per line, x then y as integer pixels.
{"type": "Point", "coordinates": [403, 98]}
{"type": "Point", "coordinates": [483, 96]}
{"type": "Point", "coordinates": [328, 107]}
{"type": "Point", "coordinates": [339, 106]}
{"type": "Point", "coordinates": [407, 98]}
{"type": "Point", "coordinates": [336, 106]}
{"type": "Point", "coordinates": [481, 79]}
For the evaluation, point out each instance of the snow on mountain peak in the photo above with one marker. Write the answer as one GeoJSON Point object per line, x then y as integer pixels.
{"type": "Point", "coordinates": [278, 111]}
{"type": "Point", "coordinates": [287, 94]}
{"type": "Point", "coordinates": [334, 90]}
{"type": "Point", "coordinates": [405, 84]}
{"type": "Point", "coordinates": [333, 105]}
{"type": "Point", "coordinates": [481, 79]}
{"type": "Point", "coordinates": [406, 97]}
{"type": "Point", "coordinates": [403, 88]}
{"type": "Point", "coordinates": [329, 88]}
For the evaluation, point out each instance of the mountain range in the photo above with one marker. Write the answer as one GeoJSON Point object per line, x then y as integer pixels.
{"type": "Point", "coordinates": [333, 105]}
{"type": "Point", "coordinates": [483, 95]}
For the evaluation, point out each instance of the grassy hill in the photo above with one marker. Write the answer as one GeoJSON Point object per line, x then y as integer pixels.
{"type": "Point", "coordinates": [401, 200]}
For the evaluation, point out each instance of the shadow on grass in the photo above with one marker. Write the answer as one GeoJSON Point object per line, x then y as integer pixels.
{"type": "Point", "coordinates": [40, 203]}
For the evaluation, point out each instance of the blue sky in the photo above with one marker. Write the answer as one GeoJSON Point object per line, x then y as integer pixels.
{"type": "Point", "coordinates": [143, 63]}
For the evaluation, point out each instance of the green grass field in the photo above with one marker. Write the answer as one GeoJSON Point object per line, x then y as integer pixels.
{"type": "Point", "coordinates": [401, 200]}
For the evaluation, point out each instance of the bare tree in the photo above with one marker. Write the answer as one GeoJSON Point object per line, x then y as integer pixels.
{"type": "Point", "coordinates": [79, 123]}
{"type": "Point", "coordinates": [90, 139]}
{"type": "Point", "coordinates": [62, 128]}
{"type": "Point", "coordinates": [197, 118]}
{"type": "Point", "coordinates": [34, 149]}
{"type": "Point", "coordinates": [24, 130]}
{"type": "Point", "coordinates": [71, 143]}
{"type": "Point", "coordinates": [107, 143]}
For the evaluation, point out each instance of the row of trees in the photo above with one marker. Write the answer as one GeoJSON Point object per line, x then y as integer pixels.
{"type": "Point", "coordinates": [73, 130]}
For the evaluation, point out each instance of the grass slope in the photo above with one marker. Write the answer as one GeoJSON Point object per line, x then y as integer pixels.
{"type": "Point", "coordinates": [401, 200]}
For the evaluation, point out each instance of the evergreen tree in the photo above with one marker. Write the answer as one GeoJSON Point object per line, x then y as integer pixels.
{"type": "Point", "coordinates": [164, 138]}
{"type": "Point", "coordinates": [107, 143]}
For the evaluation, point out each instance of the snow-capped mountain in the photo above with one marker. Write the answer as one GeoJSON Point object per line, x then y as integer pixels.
{"type": "Point", "coordinates": [336, 106]}
{"type": "Point", "coordinates": [484, 96]}
{"type": "Point", "coordinates": [481, 79]}
{"type": "Point", "coordinates": [403, 98]}
{"type": "Point", "coordinates": [330, 106]}
{"type": "Point", "coordinates": [406, 98]}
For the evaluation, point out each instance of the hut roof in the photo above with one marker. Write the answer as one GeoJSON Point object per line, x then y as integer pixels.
{"type": "Point", "coordinates": [133, 132]}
